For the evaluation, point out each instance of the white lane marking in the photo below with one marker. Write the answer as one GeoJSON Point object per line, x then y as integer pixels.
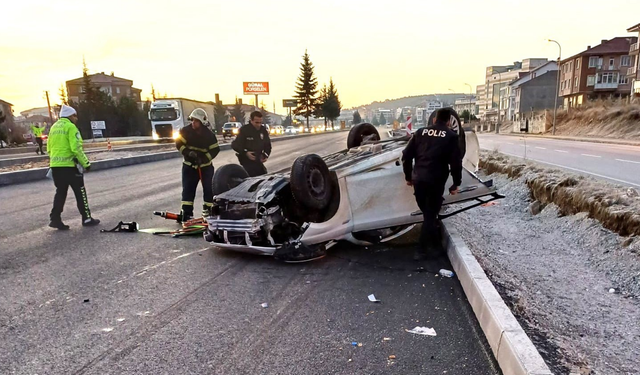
{"type": "Point", "coordinates": [563, 151]}
{"type": "Point", "coordinates": [591, 156]}
{"type": "Point", "coordinates": [628, 161]}
{"type": "Point", "coordinates": [541, 148]}
{"type": "Point", "coordinates": [575, 169]}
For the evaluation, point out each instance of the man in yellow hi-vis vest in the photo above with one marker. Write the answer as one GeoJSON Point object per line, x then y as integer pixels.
{"type": "Point", "coordinates": [68, 161]}
{"type": "Point", "coordinates": [37, 131]}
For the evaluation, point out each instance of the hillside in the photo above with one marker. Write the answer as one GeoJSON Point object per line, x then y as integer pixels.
{"type": "Point", "coordinates": [601, 119]}
{"type": "Point", "coordinates": [412, 101]}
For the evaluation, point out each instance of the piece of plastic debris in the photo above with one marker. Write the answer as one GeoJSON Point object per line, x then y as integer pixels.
{"type": "Point", "coordinates": [350, 359]}
{"type": "Point", "coordinates": [109, 329]}
{"type": "Point", "coordinates": [612, 290]}
{"type": "Point", "coordinates": [392, 356]}
{"type": "Point", "coordinates": [372, 298]}
{"type": "Point", "coordinates": [489, 204]}
{"type": "Point", "coordinates": [446, 273]}
{"type": "Point", "coordinates": [120, 319]}
{"type": "Point", "coordinates": [422, 331]}
{"type": "Point", "coordinates": [354, 343]}
{"type": "Point", "coordinates": [265, 305]}
{"type": "Point", "coordinates": [359, 344]}
{"type": "Point", "coordinates": [86, 300]}
{"type": "Point", "coordinates": [386, 339]}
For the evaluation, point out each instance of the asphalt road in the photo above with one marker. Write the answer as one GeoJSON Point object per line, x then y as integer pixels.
{"type": "Point", "coordinates": [617, 163]}
{"type": "Point", "coordinates": [84, 302]}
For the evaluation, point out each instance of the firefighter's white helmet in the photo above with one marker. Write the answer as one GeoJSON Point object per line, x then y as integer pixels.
{"type": "Point", "coordinates": [199, 114]}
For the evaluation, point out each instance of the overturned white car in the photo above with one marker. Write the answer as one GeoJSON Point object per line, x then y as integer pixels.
{"type": "Point", "coordinates": [358, 195]}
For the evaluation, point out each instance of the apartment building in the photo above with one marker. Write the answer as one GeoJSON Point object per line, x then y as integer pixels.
{"type": "Point", "coordinates": [633, 72]}
{"type": "Point", "coordinates": [114, 86]}
{"type": "Point", "coordinates": [599, 72]}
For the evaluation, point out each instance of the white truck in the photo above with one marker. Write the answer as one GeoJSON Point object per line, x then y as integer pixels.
{"type": "Point", "coordinates": [170, 115]}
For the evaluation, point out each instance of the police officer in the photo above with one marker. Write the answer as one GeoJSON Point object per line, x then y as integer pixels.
{"type": "Point", "coordinates": [198, 145]}
{"type": "Point", "coordinates": [435, 149]}
{"type": "Point", "coordinates": [37, 131]}
{"type": "Point", "coordinates": [253, 146]}
{"type": "Point", "coordinates": [67, 161]}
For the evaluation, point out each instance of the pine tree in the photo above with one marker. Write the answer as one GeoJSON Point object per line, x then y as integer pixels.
{"type": "Point", "coordinates": [237, 113]}
{"type": "Point", "coordinates": [375, 121]}
{"type": "Point", "coordinates": [63, 95]}
{"type": "Point", "coordinates": [332, 106]}
{"type": "Point", "coordinates": [323, 98]}
{"type": "Point", "coordinates": [356, 118]}
{"type": "Point", "coordinates": [220, 116]}
{"type": "Point", "coordinates": [266, 119]}
{"type": "Point", "coordinates": [382, 120]}
{"type": "Point", "coordinates": [306, 89]}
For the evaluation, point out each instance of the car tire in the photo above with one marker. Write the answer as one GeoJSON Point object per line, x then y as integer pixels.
{"type": "Point", "coordinates": [358, 133]}
{"type": "Point", "coordinates": [227, 177]}
{"type": "Point", "coordinates": [310, 182]}
{"type": "Point", "coordinates": [456, 127]}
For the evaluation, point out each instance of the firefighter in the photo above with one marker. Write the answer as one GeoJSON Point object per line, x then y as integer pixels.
{"type": "Point", "coordinates": [435, 149]}
{"type": "Point", "coordinates": [68, 161]}
{"type": "Point", "coordinates": [198, 145]}
{"type": "Point", "coordinates": [37, 131]}
{"type": "Point", "coordinates": [253, 146]}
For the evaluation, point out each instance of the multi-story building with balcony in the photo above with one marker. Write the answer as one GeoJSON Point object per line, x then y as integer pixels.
{"type": "Point", "coordinates": [633, 72]}
{"type": "Point", "coordinates": [600, 72]}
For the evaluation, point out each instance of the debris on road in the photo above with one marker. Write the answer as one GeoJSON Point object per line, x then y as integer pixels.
{"type": "Point", "coordinates": [386, 339]}
{"type": "Point", "coordinates": [265, 305]}
{"type": "Point", "coordinates": [108, 329]}
{"type": "Point", "coordinates": [422, 331]}
{"type": "Point", "coordinates": [446, 273]}
{"type": "Point", "coordinates": [373, 298]}
{"type": "Point", "coordinates": [392, 357]}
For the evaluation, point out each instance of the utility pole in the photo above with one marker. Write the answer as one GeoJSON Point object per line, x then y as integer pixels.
{"type": "Point", "coordinates": [555, 107]}
{"type": "Point", "coordinates": [49, 106]}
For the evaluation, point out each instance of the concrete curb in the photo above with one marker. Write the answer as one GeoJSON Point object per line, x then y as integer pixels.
{"type": "Point", "coordinates": [28, 175]}
{"type": "Point", "coordinates": [512, 348]}
{"type": "Point", "coordinates": [561, 138]}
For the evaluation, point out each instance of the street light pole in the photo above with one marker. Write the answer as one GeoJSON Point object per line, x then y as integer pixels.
{"type": "Point", "coordinates": [555, 107]}
{"type": "Point", "coordinates": [499, 100]}
{"type": "Point", "coordinates": [470, 112]}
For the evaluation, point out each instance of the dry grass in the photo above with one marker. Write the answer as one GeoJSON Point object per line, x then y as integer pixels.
{"type": "Point", "coordinates": [601, 119]}
{"type": "Point", "coordinates": [616, 207]}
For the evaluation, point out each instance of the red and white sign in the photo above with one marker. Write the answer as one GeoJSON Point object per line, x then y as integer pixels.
{"type": "Point", "coordinates": [409, 124]}
{"type": "Point", "coordinates": [255, 88]}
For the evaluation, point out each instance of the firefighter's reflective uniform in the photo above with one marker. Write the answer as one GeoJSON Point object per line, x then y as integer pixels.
{"type": "Point", "coordinates": [198, 147]}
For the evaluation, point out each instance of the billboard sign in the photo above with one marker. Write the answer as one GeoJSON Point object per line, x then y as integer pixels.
{"type": "Point", "coordinates": [289, 103]}
{"type": "Point", "coordinates": [98, 125]}
{"type": "Point", "coordinates": [255, 88]}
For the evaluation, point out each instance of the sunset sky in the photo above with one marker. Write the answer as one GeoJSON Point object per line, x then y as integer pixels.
{"type": "Point", "coordinates": [374, 50]}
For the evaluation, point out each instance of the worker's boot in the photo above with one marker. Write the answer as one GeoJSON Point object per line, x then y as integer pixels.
{"type": "Point", "coordinates": [206, 210]}
{"type": "Point", "coordinates": [90, 222]}
{"type": "Point", "coordinates": [186, 214]}
{"type": "Point", "coordinates": [58, 224]}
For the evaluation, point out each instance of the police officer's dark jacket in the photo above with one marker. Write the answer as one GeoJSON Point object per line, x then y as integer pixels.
{"type": "Point", "coordinates": [251, 139]}
{"type": "Point", "coordinates": [202, 141]}
{"type": "Point", "coordinates": [434, 149]}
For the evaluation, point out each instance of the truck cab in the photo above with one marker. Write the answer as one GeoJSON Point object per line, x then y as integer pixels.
{"type": "Point", "coordinates": [167, 118]}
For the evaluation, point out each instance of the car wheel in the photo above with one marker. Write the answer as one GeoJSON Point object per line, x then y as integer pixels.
{"type": "Point", "coordinates": [362, 133]}
{"type": "Point", "coordinates": [456, 126]}
{"type": "Point", "coordinates": [227, 177]}
{"type": "Point", "coordinates": [310, 182]}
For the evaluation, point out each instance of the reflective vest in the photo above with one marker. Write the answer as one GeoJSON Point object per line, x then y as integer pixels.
{"type": "Point", "coordinates": [37, 131]}
{"type": "Point", "coordinates": [64, 145]}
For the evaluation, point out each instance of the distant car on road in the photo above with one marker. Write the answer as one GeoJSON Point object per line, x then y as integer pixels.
{"type": "Point", "coordinates": [276, 130]}
{"type": "Point", "coordinates": [291, 130]}
{"type": "Point", "coordinates": [230, 129]}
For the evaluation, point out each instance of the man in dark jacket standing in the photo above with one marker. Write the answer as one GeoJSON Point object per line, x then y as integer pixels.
{"type": "Point", "coordinates": [435, 149]}
{"type": "Point", "coordinates": [253, 146]}
{"type": "Point", "coordinates": [198, 145]}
